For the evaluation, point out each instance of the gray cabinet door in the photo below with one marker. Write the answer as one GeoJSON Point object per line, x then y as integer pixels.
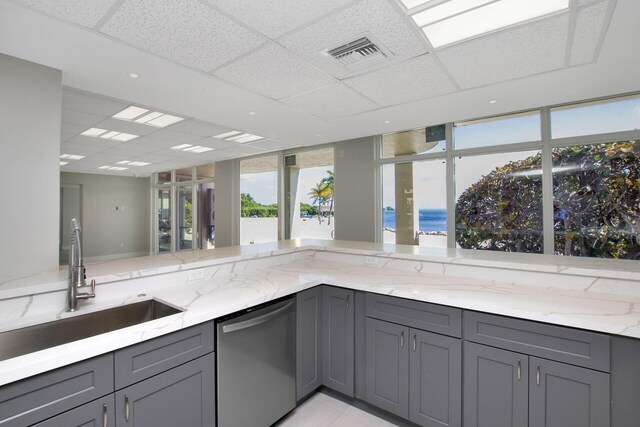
{"type": "Point", "coordinates": [99, 413]}
{"type": "Point", "coordinates": [182, 396]}
{"type": "Point", "coordinates": [338, 339]}
{"type": "Point", "coordinates": [564, 395]}
{"type": "Point", "coordinates": [435, 380]}
{"type": "Point", "coordinates": [495, 387]}
{"type": "Point", "coordinates": [387, 366]}
{"type": "Point", "coordinates": [308, 341]}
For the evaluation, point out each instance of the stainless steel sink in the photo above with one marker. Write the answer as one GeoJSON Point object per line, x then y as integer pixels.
{"type": "Point", "coordinates": [38, 337]}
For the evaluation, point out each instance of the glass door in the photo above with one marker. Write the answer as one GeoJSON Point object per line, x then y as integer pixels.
{"type": "Point", "coordinates": [164, 220]}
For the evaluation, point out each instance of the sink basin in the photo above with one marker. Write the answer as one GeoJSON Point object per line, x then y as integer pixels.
{"type": "Point", "coordinates": [38, 337]}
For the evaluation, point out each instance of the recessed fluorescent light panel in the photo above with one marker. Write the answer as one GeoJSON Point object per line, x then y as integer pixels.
{"type": "Point", "coordinates": [130, 163]}
{"type": "Point", "coordinates": [456, 20]}
{"type": "Point", "coordinates": [143, 116]}
{"type": "Point", "coordinates": [113, 168]}
{"type": "Point", "coordinates": [106, 134]}
{"type": "Point", "coordinates": [238, 136]}
{"type": "Point", "coordinates": [71, 156]}
{"type": "Point", "coordinates": [192, 148]}
{"type": "Point", "coordinates": [64, 163]}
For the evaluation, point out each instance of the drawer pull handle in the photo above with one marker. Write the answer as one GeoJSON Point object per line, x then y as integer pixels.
{"type": "Point", "coordinates": [347, 301]}
{"type": "Point", "coordinates": [414, 342]}
{"type": "Point", "coordinates": [519, 370]}
{"type": "Point", "coordinates": [538, 375]}
{"type": "Point", "coordinates": [402, 339]}
{"type": "Point", "coordinates": [126, 408]}
{"type": "Point", "coordinates": [105, 420]}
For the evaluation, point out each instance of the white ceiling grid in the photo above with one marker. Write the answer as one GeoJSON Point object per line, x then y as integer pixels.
{"type": "Point", "coordinates": [589, 28]}
{"type": "Point", "coordinates": [274, 72]}
{"type": "Point", "coordinates": [331, 102]}
{"type": "Point", "coordinates": [415, 79]}
{"type": "Point", "coordinates": [275, 49]}
{"type": "Point", "coordinates": [377, 18]}
{"type": "Point", "coordinates": [524, 50]}
{"type": "Point", "coordinates": [185, 31]}
{"type": "Point", "coordinates": [277, 17]}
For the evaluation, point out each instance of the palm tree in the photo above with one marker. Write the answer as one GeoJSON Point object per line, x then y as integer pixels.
{"type": "Point", "coordinates": [319, 195]}
{"type": "Point", "coordinates": [328, 181]}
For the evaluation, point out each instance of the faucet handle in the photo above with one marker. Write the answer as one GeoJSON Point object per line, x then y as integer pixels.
{"type": "Point", "coordinates": [93, 287]}
{"type": "Point", "coordinates": [85, 295]}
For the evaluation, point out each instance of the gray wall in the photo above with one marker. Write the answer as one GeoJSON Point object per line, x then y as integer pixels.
{"type": "Point", "coordinates": [106, 232]}
{"type": "Point", "coordinates": [30, 109]}
{"type": "Point", "coordinates": [227, 203]}
{"type": "Point", "coordinates": [355, 194]}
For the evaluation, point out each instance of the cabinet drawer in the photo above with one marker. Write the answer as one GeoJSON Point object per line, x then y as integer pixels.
{"type": "Point", "coordinates": [141, 361]}
{"type": "Point", "coordinates": [416, 314]}
{"type": "Point", "coordinates": [97, 413]}
{"type": "Point", "coordinates": [34, 399]}
{"type": "Point", "coordinates": [573, 346]}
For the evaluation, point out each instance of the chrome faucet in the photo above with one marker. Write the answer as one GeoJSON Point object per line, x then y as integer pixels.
{"type": "Point", "coordinates": [77, 276]}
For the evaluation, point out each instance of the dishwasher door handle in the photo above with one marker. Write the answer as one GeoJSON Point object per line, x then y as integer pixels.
{"type": "Point", "coordinates": [253, 322]}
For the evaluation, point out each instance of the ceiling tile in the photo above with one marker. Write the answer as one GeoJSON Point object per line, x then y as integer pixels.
{"type": "Point", "coordinates": [80, 118]}
{"type": "Point", "coordinates": [331, 102]}
{"type": "Point", "coordinates": [375, 18]}
{"type": "Point", "coordinates": [81, 149]}
{"type": "Point", "coordinates": [197, 127]}
{"type": "Point", "coordinates": [415, 79]}
{"type": "Point", "coordinates": [72, 128]}
{"type": "Point", "coordinates": [518, 52]}
{"type": "Point", "coordinates": [78, 101]}
{"type": "Point", "coordinates": [239, 151]}
{"type": "Point", "coordinates": [589, 25]}
{"type": "Point", "coordinates": [274, 18]}
{"type": "Point", "coordinates": [220, 144]}
{"type": "Point", "coordinates": [185, 31]}
{"type": "Point", "coordinates": [174, 137]}
{"type": "Point", "coordinates": [82, 12]}
{"type": "Point", "coordinates": [275, 72]}
{"type": "Point", "coordinates": [270, 145]}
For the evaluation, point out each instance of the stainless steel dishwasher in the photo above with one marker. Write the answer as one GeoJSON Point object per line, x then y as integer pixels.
{"type": "Point", "coordinates": [257, 365]}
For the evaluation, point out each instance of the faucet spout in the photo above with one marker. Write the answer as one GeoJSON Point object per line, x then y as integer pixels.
{"type": "Point", "coordinates": [77, 277]}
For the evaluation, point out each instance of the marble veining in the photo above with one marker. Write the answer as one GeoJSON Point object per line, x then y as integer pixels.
{"type": "Point", "coordinates": [238, 278]}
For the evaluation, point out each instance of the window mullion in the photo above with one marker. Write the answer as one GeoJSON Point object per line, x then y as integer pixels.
{"type": "Point", "coordinates": [547, 183]}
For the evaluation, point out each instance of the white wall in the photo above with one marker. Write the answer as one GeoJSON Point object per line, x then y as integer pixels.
{"type": "Point", "coordinates": [355, 190]}
{"type": "Point", "coordinates": [108, 232]}
{"type": "Point", "coordinates": [30, 109]}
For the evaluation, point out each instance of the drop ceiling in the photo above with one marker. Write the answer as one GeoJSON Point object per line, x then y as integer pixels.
{"type": "Point", "coordinates": [262, 67]}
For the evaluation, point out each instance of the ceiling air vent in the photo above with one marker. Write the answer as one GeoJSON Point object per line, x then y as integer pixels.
{"type": "Point", "coordinates": [357, 54]}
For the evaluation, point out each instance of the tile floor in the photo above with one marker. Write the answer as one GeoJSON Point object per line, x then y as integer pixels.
{"type": "Point", "coordinates": [321, 410]}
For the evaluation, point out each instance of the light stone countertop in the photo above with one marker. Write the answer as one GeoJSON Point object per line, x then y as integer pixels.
{"type": "Point", "coordinates": [575, 293]}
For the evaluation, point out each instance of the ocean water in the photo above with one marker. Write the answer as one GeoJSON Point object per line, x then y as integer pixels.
{"type": "Point", "coordinates": [428, 220]}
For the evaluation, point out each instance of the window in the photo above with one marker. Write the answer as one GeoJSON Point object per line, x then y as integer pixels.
{"type": "Point", "coordinates": [596, 200]}
{"type": "Point", "coordinates": [259, 200]}
{"type": "Point", "coordinates": [309, 200]}
{"type": "Point", "coordinates": [499, 202]}
{"type": "Point", "coordinates": [514, 128]}
{"type": "Point", "coordinates": [185, 209]}
{"type": "Point", "coordinates": [494, 173]}
{"type": "Point", "coordinates": [414, 202]}
{"type": "Point", "coordinates": [620, 114]}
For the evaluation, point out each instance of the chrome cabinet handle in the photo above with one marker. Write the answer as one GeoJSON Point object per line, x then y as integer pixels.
{"type": "Point", "coordinates": [402, 339]}
{"type": "Point", "coordinates": [347, 301]}
{"type": "Point", "coordinates": [538, 375]}
{"type": "Point", "coordinates": [519, 370]}
{"type": "Point", "coordinates": [105, 420]}
{"type": "Point", "coordinates": [414, 342]}
{"type": "Point", "coordinates": [126, 408]}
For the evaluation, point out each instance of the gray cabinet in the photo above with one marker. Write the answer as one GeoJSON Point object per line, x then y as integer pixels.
{"type": "Point", "coordinates": [387, 367]}
{"type": "Point", "coordinates": [414, 374]}
{"type": "Point", "coordinates": [435, 380]}
{"type": "Point", "coordinates": [46, 395]}
{"type": "Point", "coordinates": [507, 389]}
{"type": "Point", "coordinates": [99, 413]}
{"type": "Point", "coordinates": [495, 387]}
{"type": "Point", "coordinates": [338, 341]}
{"type": "Point", "coordinates": [182, 396]}
{"type": "Point", "coordinates": [564, 395]}
{"type": "Point", "coordinates": [308, 341]}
